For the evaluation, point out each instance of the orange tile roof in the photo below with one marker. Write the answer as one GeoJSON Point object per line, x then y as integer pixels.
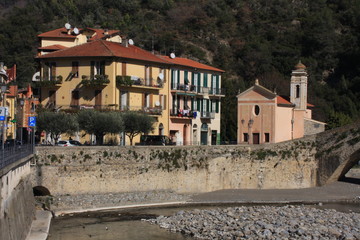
{"type": "Point", "coordinates": [53, 47]}
{"type": "Point", "coordinates": [281, 100]}
{"type": "Point", "coordinates": [102, 48]}
{"type": "Point", "coordinates": [190, 63]}
{"type": "Point", "coordinates": [57, 33]}
{"type": "Point", "coordinates": [285, 100]}
{"type": "Point", "coordinates": [100, 33]}
{"type": "Point", "coordinates": [63, 33]}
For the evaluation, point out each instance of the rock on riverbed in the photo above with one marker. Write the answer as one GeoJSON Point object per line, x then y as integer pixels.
{"type": "Point", "coordinates": [263, 222]}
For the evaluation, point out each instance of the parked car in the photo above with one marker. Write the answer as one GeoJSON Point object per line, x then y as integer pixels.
{"type": "Point", "coordinates": [68, 143]}
{"type": "Point", "coordinates": [155, 140]}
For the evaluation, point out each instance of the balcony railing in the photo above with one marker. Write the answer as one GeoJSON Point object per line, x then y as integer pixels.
{"type": "Point", "coordinates": [217, 91]}
{"type": "Point", "coordinates": [136, 81]}
{"type": "Point", "coordinates": [49, 82]}
{"type": "Point", "coordinates": [183, 113]}
{"type": "Point", "coordinates": [207, 115]}
{"type": "Point", "coordinates": [95, 81]}
{"type": "Point", "coordinates": [148, 110]}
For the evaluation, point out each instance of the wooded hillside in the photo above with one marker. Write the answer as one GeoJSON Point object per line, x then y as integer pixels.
{"type": "Point", "coordinates": [249, 39]}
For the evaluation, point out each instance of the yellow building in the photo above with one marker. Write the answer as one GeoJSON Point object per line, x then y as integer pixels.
{"type": "Point", "coordinates": [92, 68]}
{"type": "Point", "coordinates": [95, 75]}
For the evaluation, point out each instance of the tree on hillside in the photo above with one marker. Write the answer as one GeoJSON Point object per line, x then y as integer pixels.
{"type": "Point", "coordinates": [57, 123]}
{"type": "Point", "coordinates": [136, 123]}
{"type": "Point", "coordinates": [100, 123]}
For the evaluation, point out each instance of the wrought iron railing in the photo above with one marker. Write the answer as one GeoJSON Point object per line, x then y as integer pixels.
{"type": "Point", "coordinates": [13, 153]}
{"type": "Point", "coordinates": [217, 91]}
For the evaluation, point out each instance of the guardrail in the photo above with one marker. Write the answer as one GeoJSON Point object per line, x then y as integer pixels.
{"type": "Point", "coordinates": [11, 154]}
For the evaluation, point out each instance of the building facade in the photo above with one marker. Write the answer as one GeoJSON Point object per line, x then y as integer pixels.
{"type": "Point", "coordinates": [265, 117]}
{"type": "Point", "coordinates": [195, 101]}
{"type": "Point", "coordinates": [109, 73]}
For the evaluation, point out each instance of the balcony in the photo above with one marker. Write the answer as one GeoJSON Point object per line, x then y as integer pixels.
{"type": "Point", "coordinates": [148, 110]}
{"type": "Point", "coordinates": [130, 81]}
{"type": "Point", "coordinates": [207, 115]}
{"type": "Point", "coordinates": [217, 91]}
{"type": "Point", "coordinates": [77, 107]}
{"type": "Point", "coordinates": [95, 81]}
{"type": "Point", "coordinates": [49, 82]}
{"type": "Point", "coordinates": [179, 113]}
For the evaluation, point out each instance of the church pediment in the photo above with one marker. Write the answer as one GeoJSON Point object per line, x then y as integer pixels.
{"type": "Point", "coordinates": [256, 92]}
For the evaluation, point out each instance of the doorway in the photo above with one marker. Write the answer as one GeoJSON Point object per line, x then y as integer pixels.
{"type": "Point", "coordinates": [204, 134]}
{"type": "Point", "coordinates": [256, 138]}
{"type": "Point", "coordinates": [213, 137]}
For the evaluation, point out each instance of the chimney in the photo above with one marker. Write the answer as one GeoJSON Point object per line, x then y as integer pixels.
{"type": "Point", "coordinates": [125, 42]}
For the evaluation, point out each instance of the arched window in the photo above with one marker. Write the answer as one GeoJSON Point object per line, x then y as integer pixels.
{"type": "Point", "coordinates": [297, 91]}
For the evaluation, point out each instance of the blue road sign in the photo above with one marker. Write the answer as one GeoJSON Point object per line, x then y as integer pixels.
{"type": "Point", "coordinates": [32, 121]}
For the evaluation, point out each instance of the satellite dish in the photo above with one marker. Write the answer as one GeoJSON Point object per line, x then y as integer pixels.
{"type": "Point", "coordinates": [131, 42]}
{"type": "Point", "coordinates": [172, 55]}
{"type": "Point", "coordinates": [161, 76]}
{"type": "Point", "coordinates": [76, 30]}
{"type": "Point", "coordinates": [36, 77]}
{"type": "Point", "coordinates": [67, 26]}
{"type": "Point", "coordinates": [157, 104]}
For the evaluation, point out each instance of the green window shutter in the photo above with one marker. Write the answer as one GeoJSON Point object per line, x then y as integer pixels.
{"type": "Point", "coordinates": [172, 78]}
{"type": "Point", "coordinates": [178, 78]}
{"type": "Point", "coordinates": [186, 80]}
{"type": "Point", "coordinates": [211, 105]}
{"type": "Point", "coordinates": [199, 104]}
{"type": "Point", "coordinates": [192, 103]}
{"type": "Point", "coordinates": [205, 80]}
{"type": "Point", "coordinates": [199, 80]}
{"type": "Point", "coordinates": [207, 105]}
{"type": "Point", "coordinates": [217, 82]}
{"type": "Point", "coordinates": [217, 106]}
{"type": "Point", "coordinates": [192, 79]}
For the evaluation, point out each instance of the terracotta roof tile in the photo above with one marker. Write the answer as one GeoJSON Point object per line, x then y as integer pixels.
{"type": "Point", "coordinates": [282, 100]}
{"type": "Point", "coordinates": [102, 48]}
{"type": "Point", "coordinates": [190, 63]}
{"type": "Point", "coordinates": [63, 33]}
{"type": "Point", "coordinates": [53, 47]}
{"type": "Point", "coordinates": [57, 33]}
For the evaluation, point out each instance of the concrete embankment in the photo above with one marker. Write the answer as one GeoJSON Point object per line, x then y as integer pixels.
{"type": "Point", "coordinates": [17, 201]}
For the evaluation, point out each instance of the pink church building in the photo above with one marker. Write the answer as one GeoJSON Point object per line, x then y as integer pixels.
{"type": "Point", "coordinates": [265, 117]}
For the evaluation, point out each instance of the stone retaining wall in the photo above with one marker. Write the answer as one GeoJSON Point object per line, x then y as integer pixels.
{"type": "Point", "coordinates": [17, 202]}
{"type": "Point", "coordinates": [187, 169]}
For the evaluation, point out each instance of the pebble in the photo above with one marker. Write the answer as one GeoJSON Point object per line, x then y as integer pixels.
{"type": "Point", "coordinates": [263, 222]}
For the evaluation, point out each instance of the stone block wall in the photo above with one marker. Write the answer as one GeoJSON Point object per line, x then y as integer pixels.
{"type": "Point", "coordinates": [187, 169]}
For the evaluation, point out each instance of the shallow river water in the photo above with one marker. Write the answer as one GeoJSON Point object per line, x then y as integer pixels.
{"type": "Point", "coordinates": [126, 223]}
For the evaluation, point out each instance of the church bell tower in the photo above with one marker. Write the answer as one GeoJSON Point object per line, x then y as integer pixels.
{"type": "Point", "coordinates": [298, 87]}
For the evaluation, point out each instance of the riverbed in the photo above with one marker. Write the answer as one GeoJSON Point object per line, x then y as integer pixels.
{"type": "Point", "coordinates": [127, 223]}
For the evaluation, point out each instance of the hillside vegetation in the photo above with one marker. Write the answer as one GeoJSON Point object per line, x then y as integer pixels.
{"type": "Point", "coordinates": [248, 39]}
